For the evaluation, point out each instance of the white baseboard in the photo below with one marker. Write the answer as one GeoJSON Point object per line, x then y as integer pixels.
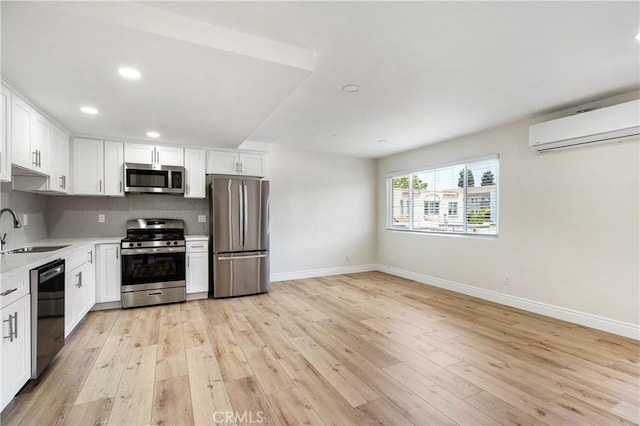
{"type": "Point", "coordinates": [312, 273]}
{"type": "Point", "coordinates": [600, 323]}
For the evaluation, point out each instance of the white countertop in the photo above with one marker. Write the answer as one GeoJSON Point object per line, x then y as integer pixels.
{"type": "Point", "coordinates": [24, 261]}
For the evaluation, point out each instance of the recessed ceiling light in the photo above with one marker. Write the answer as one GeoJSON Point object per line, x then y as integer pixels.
{"type": "Point", "coordinates": [129, 73]}
{"type": "Point", "coordinates": [153, 134]}
{"type": "Point", "coordinates": [637, 36]}
{"type": "Point", "coordinates": [89, 110]}
{"type": "Point", "coordinates": [382, 141]}
{"type": "Point", "coordinates": [351, 88]}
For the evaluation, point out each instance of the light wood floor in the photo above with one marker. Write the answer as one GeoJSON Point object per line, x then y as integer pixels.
{"type": "Point", "coordinates": [352, 349]}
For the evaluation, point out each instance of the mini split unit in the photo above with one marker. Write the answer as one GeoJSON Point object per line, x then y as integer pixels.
{"type": "Point", "coordinates": [615, 123]}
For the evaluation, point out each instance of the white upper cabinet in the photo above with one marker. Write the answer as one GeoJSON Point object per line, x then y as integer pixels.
{"type": "Point", "coordinates": [60, 177]}
{"type": "Point", "coordinates": [170, 156]}
{"type": "Point", "coordinates": [5, 134]}
{"type": "Point", "coordinates": [98, 167]}
{"type": "Point", "coordinates": [21, 117]}
{"type": "Point", "coordinates": [88, 167]}
{"type": "Point", "coordinates": [30, 137]}
{"type": "Point", "coordinates": [194, 165]}
{"type": "Point", "coordinates": [222, 162]}
{"type": "Point", "coordinates": [153, 154]}
{"type": "Point", "coordinates": [139, 153]}
{"type": "Point", "coordinates": [114, 169]}
{"type": "Point", "coordinates": [251, 164]}
{"type": "Point", "coordinates": [41, 139]}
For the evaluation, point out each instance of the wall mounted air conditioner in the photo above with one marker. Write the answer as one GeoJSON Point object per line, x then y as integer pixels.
{"type": "Point", "coordinates": [615, 123]}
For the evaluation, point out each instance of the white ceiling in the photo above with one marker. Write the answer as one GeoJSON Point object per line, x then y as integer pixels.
{"type": "Point", "coordinates": [220, 73]}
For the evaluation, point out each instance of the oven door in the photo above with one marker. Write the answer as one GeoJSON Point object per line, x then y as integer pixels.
{"type": "Point", "coordinates": [152, 268]}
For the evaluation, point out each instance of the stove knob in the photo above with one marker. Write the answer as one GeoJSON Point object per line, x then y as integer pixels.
{"type": "Point", "coordinates": [168, 243]}
{"type": "Point", "coordinates": [175, 243]}
{"type": "Point", "coordinates": [130, 244]}
{"type": "Point", "coordinates": [139, 244]}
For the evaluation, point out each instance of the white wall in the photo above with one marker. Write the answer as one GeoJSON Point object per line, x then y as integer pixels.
{"type": "Point", "coordinates": [322, 210]}
{"type": "Point", "coordinates": [569, 225]}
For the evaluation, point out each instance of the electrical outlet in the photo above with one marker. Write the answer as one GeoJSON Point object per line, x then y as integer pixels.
{"type": "Point", "coordinates": [507, 281]}
{"type": "Point", "coordinates": [100, 218]}
{"type": "Point", "coordinates": [202, 218]}
{"type": "Point", "coordinates": [25, 220]}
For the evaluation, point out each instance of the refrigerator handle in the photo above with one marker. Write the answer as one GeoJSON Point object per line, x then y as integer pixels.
{"type": "Point", "coordinates": [245, 204]}
{"type": "Point", "coordinates": [241, 213]}
{"type": "Point", "coordinates": [252, 256]}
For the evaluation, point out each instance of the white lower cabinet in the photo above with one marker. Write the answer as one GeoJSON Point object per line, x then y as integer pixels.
{"type": "Point", "coordinates": [108, 276]}
{"type": "Point", "coordinates": [197, 273]}
{"type": "Point", "coordinates": [15, 356]}
{"type": "Point", "coordinates": [79, 285]}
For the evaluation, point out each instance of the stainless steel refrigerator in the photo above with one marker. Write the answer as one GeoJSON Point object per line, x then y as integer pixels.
{"type": "Point", "coordinates": [239, 227]}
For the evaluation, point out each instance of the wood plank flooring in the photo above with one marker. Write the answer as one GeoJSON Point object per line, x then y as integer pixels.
{"type": "Point", "coordinates": [350, 349]}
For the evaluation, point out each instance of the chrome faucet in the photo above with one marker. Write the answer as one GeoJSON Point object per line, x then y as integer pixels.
{"type": "Point", "coordinates": [16, 224]}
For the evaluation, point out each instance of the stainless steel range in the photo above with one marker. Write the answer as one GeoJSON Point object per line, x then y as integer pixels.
{"type": "Point", "coordinates": [153, 262]}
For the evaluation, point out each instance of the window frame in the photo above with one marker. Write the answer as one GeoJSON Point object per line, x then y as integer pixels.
{"type": "Point", "coordinates": [410, 172]}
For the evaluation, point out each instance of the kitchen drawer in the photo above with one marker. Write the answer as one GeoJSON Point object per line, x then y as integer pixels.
{"type": "Point", "coordinates": [76, 257]}
{"type": "Point", "coordinates": [197, 246]}
{"type": "Point", "coordinates": [14, 286]}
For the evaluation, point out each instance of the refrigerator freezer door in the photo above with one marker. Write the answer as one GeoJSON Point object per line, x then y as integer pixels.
{"type": "Point", "coordinates": [227, 216]}
{"type": "Point", "coordinates": [255, 225]}
{"type": "Point", "coordinates": [238, 274]}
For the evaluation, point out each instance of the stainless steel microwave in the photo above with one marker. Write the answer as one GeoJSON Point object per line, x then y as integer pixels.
{"type": "Point", "coordinates": [153, 178]}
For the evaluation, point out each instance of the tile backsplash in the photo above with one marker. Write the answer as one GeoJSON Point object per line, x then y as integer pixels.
{"type": "Point", "coordinates": [33, 205]}
{"type": "Point", "coordinates": [78, 216]}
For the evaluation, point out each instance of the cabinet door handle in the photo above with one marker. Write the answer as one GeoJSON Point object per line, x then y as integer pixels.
{"type": "Point", "coordinates": [153, 157]}
{"type": "Point", "coordinates": [91, 257]}
{"type": "Point", "coordinates": [65, 181]}
{"type": "Point", "coordinates": [197, 247]}
{"type": "Point", "coordinates": [39, 158]}
{"type": "Point", "coordinates": [117, 252]}
{"type": "Point", "coordinates": [79, 276]}
{"type": "Point", "coordinates": [15, 328]}
{"type": "Point", "coordinates": [186, 186]}
{"type": "Point", "coordinates": [157, 156]}
{"type": "Point", "coordinates": [188, 257]}
{"type": "Point", "coordinates": [100, 189]}
{"type": "Point", "coordinates": [61, 183]}
{"type": "Point", "coordinates": [12, 333]}
{"type": "Point", "coordinates": [121, 187]}
{"type": "Point", "coordinates": [8, 292]}
{"type": "Point", "coordinates": [34, 162]}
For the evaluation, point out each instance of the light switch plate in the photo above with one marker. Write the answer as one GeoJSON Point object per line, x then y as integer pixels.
{"type": "Point", "coordinates": [202, 218]}
{"type": "Point", "coordinates": [100, 218]}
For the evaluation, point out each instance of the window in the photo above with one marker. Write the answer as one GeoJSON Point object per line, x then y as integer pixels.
{"type": "Point", "coordinates": [467, 192]}
{"type": "Point", "coordinates": [431, 208]}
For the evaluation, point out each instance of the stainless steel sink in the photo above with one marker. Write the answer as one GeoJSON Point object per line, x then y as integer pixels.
{"type": "Point", "coordinates": [34, 249]}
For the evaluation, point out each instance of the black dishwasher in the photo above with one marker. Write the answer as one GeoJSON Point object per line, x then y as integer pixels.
{"type": "Point", "coordinates": [47, 314]}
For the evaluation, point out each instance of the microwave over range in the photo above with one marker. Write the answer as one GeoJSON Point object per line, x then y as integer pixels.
{"type": "Point", "coordinates": [153, 178]}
